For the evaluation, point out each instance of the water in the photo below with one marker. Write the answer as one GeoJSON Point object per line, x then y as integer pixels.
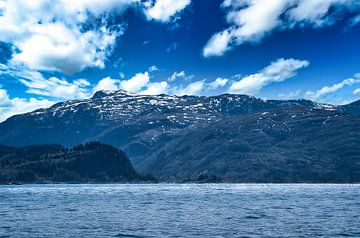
{"type": "Point", "coordinates": [173, 210]}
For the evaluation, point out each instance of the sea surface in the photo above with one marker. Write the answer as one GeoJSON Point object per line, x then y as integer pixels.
{"type": "Point", "coordinates": [180, 210]}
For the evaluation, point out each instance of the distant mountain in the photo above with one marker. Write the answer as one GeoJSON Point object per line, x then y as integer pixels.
{"type": "Point", "coordinates": [231, 137]}
{"type": "Point", "coordinates": [91, 162]}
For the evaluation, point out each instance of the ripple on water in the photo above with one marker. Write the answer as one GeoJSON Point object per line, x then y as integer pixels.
{"type": "Point", "coordinates": [184, 210]}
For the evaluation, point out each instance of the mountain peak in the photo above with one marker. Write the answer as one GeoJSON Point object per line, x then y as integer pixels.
{"type": "Point", "coordinates": [106, 93]}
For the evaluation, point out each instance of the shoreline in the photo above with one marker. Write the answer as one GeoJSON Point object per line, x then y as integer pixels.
{"type": "Point", "coordinates": [177, 183]}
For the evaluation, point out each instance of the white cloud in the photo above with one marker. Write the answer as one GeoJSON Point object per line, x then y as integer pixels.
{"type": "Point", "coordinates": [55, 47]}
{"type": "Point", "coordinates": [82, 83]}
{"type": "Point", "coordinates": [165, 10]}
{"type": "Point", "coordinates": [218, 44]}
{"type": "Point", "coordinates": [14, 106]}
{"type": "Point", "coordinates": [37, 84]}
{"type": "Point", "coordinates": [251, 20]}
{"type": "Point", "coordinates": [218, 83]}
{"type": "Point", "coordinates": [140, 83]}
{"type": "Point", "coordinates": [317, 13]}
{"type": "Point", "coordinates": [331, 89]}
{"type": "Point", "coordinates": [107, 84]}
{"type": "Point", "coordinates": [176, 75]}
{"type": "Point", "coordinates": [290, 95]}
{"type": "Point", "coordinates": [357, 92]}
{"type": "Point", "coordinates": [58, 88]}
{"type": "Point", "coordinates": [180, 75]}
{"type": "Point", "coordinates": [193, 88]}
{"type": "Point", "coordinates": [156, 88]}
{"type": "Point", "coordinates": [136, 83]}
{"type": "Point", "coordinates": [68, 36]}
{"type": "Point", "coordinates": [50, 35]}
{"type": "Point", "coordinates": [277, 71]}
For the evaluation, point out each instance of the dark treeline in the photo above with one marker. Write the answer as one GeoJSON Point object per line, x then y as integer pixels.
{"type": "Point", "coordinates": [86, 163]}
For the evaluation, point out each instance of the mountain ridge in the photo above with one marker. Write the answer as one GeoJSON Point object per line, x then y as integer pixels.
{"type": "Point", "coordinates": [143, 125]}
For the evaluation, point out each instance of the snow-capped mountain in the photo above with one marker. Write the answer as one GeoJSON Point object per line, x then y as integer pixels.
{"type": "Point", "coordinates": [77, 121]}
{"type": "Point", "coordinates": [149, 127]}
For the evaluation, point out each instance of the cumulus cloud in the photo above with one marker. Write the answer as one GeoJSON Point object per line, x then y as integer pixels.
{"type": "Point", "coordinates": [136, 83]}
{"type": "Point", "coordinates": [193, 88]}
{"type": "Point", "coordinates": [218, 44]}
{"type": "Point", "coordinates": [68, 36]}
{"type": "Point", "coordinates": [107, 84]}
{"type": "Point", "coordinates": [139, 83]}
{"type": "Point", "coordinates": [142, 84]}
{"type": "Point", "coordinates": [218, 83]}
{"type": "Point", "coordinates": [276, 72]}
{"type": "Point", "coordinates": [164, 10]}
{"type": "Point", "coordinates": [331, 89]}
{"type": "Point", "coordinates": [51, 35]}
{"type": "Point", "coordinates": [13, 106]}
{"type": "Point", "coordinates": [156, 88]}
{"type": "Point", "coordinates": [251, 20]}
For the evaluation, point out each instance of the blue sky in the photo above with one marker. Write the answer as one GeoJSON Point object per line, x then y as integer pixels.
{"type": "Point", "coordinates": [56, 50]}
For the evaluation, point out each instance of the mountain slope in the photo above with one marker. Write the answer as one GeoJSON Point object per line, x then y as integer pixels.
{"type": "Point", "coordinates": [281, 145]}
{"type": "Point", "coordinates": [352, 108]}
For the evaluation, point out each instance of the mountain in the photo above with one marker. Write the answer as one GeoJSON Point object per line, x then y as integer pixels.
{"type": "Point", "coordinates": [91, 162]}
{"type": "Point", "coordinates": [231, 137]}
{"type": "Point", "coordinates": [132, 122]}
{"type": "Point", "coordinates": [279, 145]}
{"type": "Point", "coordinates": [352, 108]}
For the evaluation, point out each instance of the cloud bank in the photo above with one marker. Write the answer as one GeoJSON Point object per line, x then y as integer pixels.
{"type": "Point", "coordinates": [252, 20]}
{"type": "Point", "coordinates": [13, 106]}
{"type": "Point", "coordinates": [333, 88]}
{"type": "Point", "coordinates": [276, 72]}
{"type": "Point", "coordinates": [69, 36]}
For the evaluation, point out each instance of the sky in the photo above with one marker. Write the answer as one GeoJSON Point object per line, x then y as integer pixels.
{"type": "Point", "coordinates": [57, 50]}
